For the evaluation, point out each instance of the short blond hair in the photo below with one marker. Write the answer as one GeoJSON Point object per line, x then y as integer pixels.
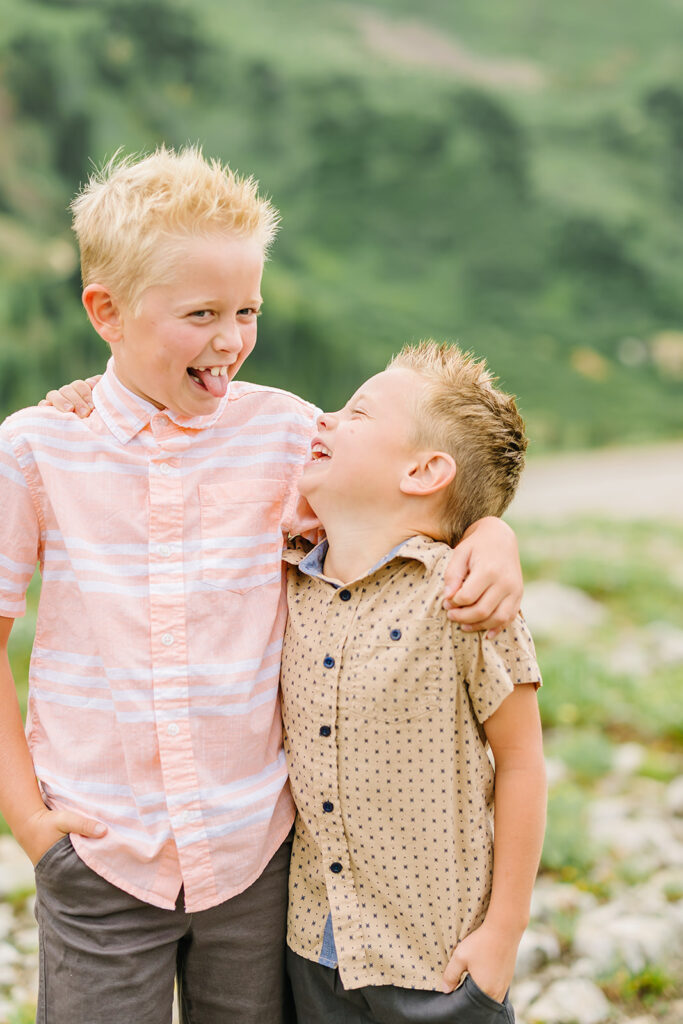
{"type": "Point", "coordinates": [460, 412]}
{"type": "Point", "coordinates": [133, 209]}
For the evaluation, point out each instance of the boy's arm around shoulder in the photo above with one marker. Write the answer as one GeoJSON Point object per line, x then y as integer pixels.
{"type": "Point", "coordinates": [35, 827]}
{"type": "Point", "coordinates": [513, 731]}
{"type": "Point", "coordinates": [483, 584]}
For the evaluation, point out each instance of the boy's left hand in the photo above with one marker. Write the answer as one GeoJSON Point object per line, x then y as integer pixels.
{"type": "Point", "coordinates": [483, 584]}
{"type": "Point", "coordinates": [489, 956]}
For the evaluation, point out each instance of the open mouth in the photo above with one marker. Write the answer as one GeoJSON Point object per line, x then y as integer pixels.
{"type": "Point", "coordinates": [319, 451]}
{"type": "Point", "coordinates": [213, 379]}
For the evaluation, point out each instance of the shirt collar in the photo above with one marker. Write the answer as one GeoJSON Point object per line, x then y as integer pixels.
{"type": "Point", "coordinates": [126, 414]}
{"type": "Point", "coordinates": [420, 548]}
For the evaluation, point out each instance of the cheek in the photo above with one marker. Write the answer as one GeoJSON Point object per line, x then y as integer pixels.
{"type": "Point", "coordinates": [248, 343]}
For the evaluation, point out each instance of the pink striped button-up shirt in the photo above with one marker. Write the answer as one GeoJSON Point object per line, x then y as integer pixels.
{"type": "Point", "coordinates": [153, 688]}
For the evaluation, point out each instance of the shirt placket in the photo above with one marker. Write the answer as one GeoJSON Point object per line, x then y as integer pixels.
{"type": "Point", "coordinates": [339, 880]}
{"type": "Point", "coordinates": [169, 652]}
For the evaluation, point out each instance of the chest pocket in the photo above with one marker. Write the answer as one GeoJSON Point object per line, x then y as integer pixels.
{"type": "Point", "coordinates": [398, 675]}
{"type": "Point", "coordinates": [241, 530]}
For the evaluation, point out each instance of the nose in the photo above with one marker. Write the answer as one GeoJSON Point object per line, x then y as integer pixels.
{"type": "Point", "coordinates": [228, 339]}
{"type": "Point", "coordinates": [327, 420]}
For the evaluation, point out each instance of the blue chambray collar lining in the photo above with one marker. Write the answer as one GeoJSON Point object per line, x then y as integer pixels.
{"type": "Point", "coordinates": [418, 547]}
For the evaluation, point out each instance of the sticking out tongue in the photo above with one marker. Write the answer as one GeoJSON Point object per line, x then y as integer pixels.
{"type": "Point", "coordinates": [216, 386]}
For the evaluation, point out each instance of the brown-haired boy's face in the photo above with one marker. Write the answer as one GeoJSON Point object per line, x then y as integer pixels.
{"type": "Point", "coordinates": [202, 317]}
{"type": "Point", "coordinates": [361, 452]}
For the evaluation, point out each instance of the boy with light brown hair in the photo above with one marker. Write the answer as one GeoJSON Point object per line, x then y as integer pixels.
{"type": "Point", "coordinates": [398, 887]}
{"type": "Point", "coordinates": [151, 788]}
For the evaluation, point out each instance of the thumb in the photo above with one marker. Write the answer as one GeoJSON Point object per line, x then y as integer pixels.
{"type": "Point", "coordinates": [457, 966]}
{"type": "Point", "coordinates": [82, 826]}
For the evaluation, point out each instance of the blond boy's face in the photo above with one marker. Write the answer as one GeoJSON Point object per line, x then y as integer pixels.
{"type": "Point", "coordinates": [361, 453]}
{"type": "Point", "coordinates": [189, 336]}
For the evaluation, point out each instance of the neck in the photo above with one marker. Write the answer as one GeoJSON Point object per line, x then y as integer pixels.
{"type": "Point", "coordinates": [356, 543]}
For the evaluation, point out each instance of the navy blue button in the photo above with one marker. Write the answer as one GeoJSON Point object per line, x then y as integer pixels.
{"type": "Point", "coordinates": [325, 730]}
{"type": "Point", "coordinates": [336, 867]}
{"type": "Point", "coordinates": [327, 806]}
{"type": "Point", "coordinates": [328, 662]}
{"type": "Point", "coordinates": [344, 595]}
{"type": "Point", "coordinates": [395, 634]}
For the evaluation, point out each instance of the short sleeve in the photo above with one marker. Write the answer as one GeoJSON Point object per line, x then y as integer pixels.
{"type": "Point", "coordinates": [492, 668]}
{"type": "Point", "coordinates": [19, 532]}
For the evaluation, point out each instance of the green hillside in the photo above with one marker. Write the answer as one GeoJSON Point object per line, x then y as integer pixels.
{"type": "Point", "coordinates": [506, 175]}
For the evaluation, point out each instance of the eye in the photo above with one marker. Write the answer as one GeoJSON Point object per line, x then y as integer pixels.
{"type": "Point", "coordinates": [200, 314]}
{"type": "Point", "coordinates": [249, 311]}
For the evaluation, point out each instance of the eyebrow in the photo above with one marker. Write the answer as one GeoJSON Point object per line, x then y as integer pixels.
{"type": "Point", "coordinates": [203, 302]}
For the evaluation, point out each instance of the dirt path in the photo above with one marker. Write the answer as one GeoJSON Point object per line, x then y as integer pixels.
{"type": "Point", "coordinates": [644, 482]}
{"type": "Point", "coordinates": [413, 41]}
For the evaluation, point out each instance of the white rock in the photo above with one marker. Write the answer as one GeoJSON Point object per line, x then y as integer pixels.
{"type": "Point", "coordinates": [666, 642]}
{"type": "Point", "coordinates": [21, 996]}
{"type": "Point", "coordinates": [570, 1001]}
{"type": "Point", "coordinates": [664, 889]}
{"type": "Point", "coordinates": [7, 976]}
{"type": "Point", "coordinates": [610, 827]}
{"type": "Point", "coordinates": [16, 870]}
{"type": "Point", "coordinates": [674, 1013]}
{"type": "Point", "coordinates": [551, 898]}
{"type": "Point", "coordinates": [556, 771]}
{"type": "Point", "coordinates": [523, 993]}
{"type": "Point", "coordinates": [630, 658]}
{"type": "Point", "coordinates": [628, 758]}
{"type": "Point", "coordinates": [6, 920]}
{"type": "Point", "coordinates": [611, 937]}
{"type": "Point", "coordinates": [535, 949]}
{"type": "Point", "coordinates": [8, 954]}
{"type": "Point", "coordinates": [26, 940]}
{"type": "Point", "coordinates": [555, 608]}
{"type": "Point", "coordinates": [674, 796]}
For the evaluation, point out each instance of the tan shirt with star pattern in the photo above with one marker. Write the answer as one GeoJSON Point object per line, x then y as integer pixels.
{"type": "Point", "coordinates": [383, 703]}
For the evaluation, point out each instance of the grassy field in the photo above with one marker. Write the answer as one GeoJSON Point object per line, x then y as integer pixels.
{"type": "Point", "coordinates": [612, 684]}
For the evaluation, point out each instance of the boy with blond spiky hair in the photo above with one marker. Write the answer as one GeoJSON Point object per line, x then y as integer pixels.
{"type": "Point", "coordinates": [151, 788]}
{"type": "Point", "coordinates": [397, 886]}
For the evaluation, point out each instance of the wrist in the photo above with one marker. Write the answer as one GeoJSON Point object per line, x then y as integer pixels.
{"type": "Point", "coordinates": [493, 524]}
{"type": "Point", "coordinates": [25, 831]}
{"type": "Point", "coordinates": [507, 923]}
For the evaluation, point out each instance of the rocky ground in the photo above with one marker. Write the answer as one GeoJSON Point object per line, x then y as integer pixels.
{"type": "Point", "coordinates": [587, 958]}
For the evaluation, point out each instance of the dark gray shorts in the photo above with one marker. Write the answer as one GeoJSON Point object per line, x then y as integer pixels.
{"type": "Point", "coordinates": [320, 997]}
{"type": "Point", "coordinates": [106, 956]}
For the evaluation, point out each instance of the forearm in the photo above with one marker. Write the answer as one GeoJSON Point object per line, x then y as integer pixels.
{"type": "Point", "coordinates": [20, 796]}
{"type": "Point", "coordinates": [519, 808]}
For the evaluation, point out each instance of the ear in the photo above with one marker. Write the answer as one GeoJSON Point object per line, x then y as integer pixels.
{"type": "Point", "coordinates": [104, 312]}
{"type": "Point", "coordinates": [432, 472]}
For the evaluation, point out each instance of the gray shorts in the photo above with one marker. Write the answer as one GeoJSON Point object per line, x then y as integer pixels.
{"type": "Point", "coordinates": [320, 997]}
{"type": "Point", "coordinates": [106, 956]}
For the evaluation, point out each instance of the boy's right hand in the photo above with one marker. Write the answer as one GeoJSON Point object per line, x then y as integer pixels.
{"type": "Point", "coordinates": [45, 828]}
{"type": "Point", "coordinates": [75, 397]}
